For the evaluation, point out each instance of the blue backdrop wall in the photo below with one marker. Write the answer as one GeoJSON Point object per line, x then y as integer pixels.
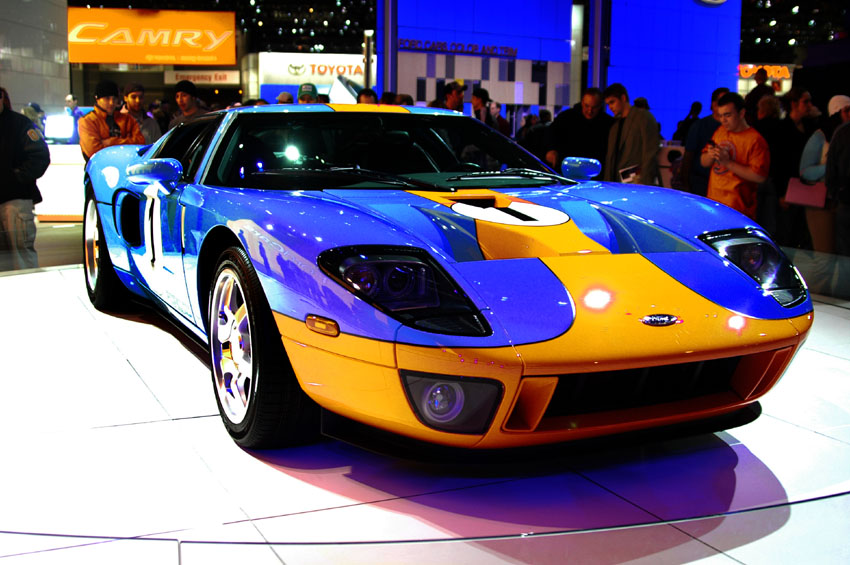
{"type": "Point", "coordinates": [673, 52]}
{"type": "Point", "coordinates": [538, 29]}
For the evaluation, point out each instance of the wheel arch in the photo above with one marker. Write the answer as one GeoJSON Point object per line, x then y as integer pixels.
{"type": "Point", "coordinates": [216, 241]}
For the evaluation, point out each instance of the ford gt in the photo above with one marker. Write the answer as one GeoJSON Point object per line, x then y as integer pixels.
{"type": "Point", "coordinates": [415, 271]}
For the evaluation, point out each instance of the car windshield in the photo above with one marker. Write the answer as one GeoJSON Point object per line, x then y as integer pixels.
{"type": "Point", "coordinates": [332, 150]}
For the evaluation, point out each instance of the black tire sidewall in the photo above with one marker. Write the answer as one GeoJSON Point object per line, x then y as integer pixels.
{"type": "Point", "coordinates": [99, 295]}
{"type": "Point", "coordinates": [236, 260]}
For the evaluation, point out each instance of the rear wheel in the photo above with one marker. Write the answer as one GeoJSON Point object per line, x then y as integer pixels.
{"type": "Point", "coordinates": [258, 395]}
{"type": "Point", "coordinates": [105, 290]}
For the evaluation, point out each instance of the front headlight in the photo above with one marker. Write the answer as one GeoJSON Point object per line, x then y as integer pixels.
{"type": "Point", "coordinates": [406, 284]}
{"type": "Point", "coordinates": [753, 252]}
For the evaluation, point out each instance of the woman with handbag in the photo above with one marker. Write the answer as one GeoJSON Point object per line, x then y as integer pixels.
{"type": "Point", "coordinates": [820, 216]}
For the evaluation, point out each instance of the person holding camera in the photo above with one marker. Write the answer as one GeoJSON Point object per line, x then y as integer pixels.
{"type": "Point", "coordinates": [738, 156]}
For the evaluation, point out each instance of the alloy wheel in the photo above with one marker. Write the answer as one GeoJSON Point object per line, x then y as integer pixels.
{"type": "Point", "coordinates": [231, 346]}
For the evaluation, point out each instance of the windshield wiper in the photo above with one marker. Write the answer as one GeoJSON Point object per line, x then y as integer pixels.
{"type": "Point", "coordinates": [516, 171]}
{"type": "Point", "coordinates": [390, 178]}
{"type": "Point", "coordinates": [365, 174]}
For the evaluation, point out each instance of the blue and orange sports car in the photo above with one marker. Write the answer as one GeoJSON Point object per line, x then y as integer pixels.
{"type": "Point", "coordinates": [414, 270]}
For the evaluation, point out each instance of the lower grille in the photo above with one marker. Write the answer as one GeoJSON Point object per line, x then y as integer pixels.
{"type": "Point", "coordinates": [587, 393]}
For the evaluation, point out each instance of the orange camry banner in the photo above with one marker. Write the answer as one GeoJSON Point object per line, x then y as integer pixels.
{"type": "Point", "coordinates": [152, 37]}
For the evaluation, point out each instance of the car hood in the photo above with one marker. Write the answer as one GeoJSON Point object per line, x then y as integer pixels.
{"type": "Point", "coordinates": [483, 224]}
{"type": "Point", "coordinates": [518, 234]}
{"type": "Point", "coordinates": [526, 256]}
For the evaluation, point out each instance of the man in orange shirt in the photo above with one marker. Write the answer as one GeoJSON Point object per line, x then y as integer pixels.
{"type": "Point", "coordinates": [103, 126]}
{"type": "Point", "coordinates": [738, 157]}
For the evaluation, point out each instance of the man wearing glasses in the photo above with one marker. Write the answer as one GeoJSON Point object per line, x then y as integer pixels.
{"type": "Point", "coordinates": [23, 158]}
{"type": "Point", "coordinates": [581, 131]}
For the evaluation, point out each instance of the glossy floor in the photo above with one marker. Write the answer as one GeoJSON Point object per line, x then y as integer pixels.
{"type": "Point", "coordinates": [113, 452]}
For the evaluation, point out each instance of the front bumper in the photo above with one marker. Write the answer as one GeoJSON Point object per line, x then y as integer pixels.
{"type": "Point", "coordinates": [568, 402]}
{"type": "Point", "coordinates": [609, 373]}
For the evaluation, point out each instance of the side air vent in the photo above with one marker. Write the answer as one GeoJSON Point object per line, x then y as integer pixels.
{"type": "Point", "coordinates": [129, 219]}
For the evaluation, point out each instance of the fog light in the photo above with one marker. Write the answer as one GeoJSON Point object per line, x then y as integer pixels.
{"type": "Point", "coordinates": [463, 405]}
{"type": "Point", "coordinates": [443, 401]}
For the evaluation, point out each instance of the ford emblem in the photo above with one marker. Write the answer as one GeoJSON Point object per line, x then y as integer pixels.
{"type": "Point", "coordinates": [659, 320]}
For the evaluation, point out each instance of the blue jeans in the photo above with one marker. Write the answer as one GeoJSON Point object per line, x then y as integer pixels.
{"type": "Point", "coordinates": [17, 236]}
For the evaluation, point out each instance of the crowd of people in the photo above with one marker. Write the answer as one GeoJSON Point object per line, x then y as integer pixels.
{"type": "Point", "coordinates": [745, 153]}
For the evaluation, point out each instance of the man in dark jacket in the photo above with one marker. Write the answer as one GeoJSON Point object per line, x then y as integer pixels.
{"type": "Point", "coordinates": [838, 186]}
{"type": "Point", "coordinates": [23, 158]}
{"type": "Point", "coordinates": [761, 90]}
{"type": "Point", "coordinates": [838, 190]}
{"type": "Point", "coordinates": [581, 131]}
{"type": "Point", "coordinates": [480, 111]}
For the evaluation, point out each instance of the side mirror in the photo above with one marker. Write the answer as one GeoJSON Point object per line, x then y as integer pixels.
{"type": "Point", "coordinates": [580, 168]}
{"type": "Point", "coordinates": [163, 171]}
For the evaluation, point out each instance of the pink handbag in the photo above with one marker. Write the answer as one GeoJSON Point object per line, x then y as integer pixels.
{"type": "Point", "coordinates": [806, 194]}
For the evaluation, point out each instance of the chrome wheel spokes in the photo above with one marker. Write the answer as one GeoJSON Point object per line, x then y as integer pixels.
{"type": "Point", "coordinates": [230, 345]}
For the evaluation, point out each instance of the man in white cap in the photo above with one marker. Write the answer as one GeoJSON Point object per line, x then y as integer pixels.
{"type": "Point", "coordinates": [840, 103]}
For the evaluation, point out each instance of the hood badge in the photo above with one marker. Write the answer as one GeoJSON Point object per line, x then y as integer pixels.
{"type": "Point", "coordinates": [660, 320]}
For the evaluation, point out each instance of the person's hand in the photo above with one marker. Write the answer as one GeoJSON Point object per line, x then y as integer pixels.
{"type": "Point", "coordinates": [552, 157]}
{"type": "Point", "coordinates": [722, 156]}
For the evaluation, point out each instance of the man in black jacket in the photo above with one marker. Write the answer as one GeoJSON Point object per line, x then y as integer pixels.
{"type": "Point", "coordinates": [838, 191]}
{"type": "Point", "coordinates": [23, 158]}
{"type": "Point", "coordinates": [838, 186]}
{"type": "Point", "coordinates": [581, 131]}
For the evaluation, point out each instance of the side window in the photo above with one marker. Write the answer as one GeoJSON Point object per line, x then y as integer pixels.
{"type": "Point", "coordinates": [196, 152]}
{"type": "Point", "coordinates": [187, 142]}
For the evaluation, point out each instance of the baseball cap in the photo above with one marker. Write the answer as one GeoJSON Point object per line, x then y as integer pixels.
{"type": "Point", "coordinates": [307, 89]}
{"type": "Point", "coordinates": [838, 103]}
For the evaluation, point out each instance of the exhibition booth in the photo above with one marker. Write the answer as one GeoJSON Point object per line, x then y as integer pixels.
{"type": "Point", "coordinates": [115, 451]}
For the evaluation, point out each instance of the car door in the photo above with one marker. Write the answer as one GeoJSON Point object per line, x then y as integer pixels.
{"type": "Point", "coordinates": [160, 258]}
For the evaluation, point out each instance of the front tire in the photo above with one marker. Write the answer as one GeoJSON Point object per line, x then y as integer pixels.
{"type": "Point", "coordinates": [105, 290]}
{"type": "Point", "coordinates": [258, 396]}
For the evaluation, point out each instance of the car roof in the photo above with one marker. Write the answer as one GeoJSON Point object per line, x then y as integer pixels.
{"type": "Point", "coordinates": [321, 108]}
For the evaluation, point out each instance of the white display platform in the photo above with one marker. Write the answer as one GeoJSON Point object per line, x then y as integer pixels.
{"type": "Point", "coordinates": [113, 452]}
{"type": "Point", "coordinates": [61, 186]}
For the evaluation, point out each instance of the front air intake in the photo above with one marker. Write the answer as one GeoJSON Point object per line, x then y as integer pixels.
{"type": "Point", "coordinates": [588, 393]}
